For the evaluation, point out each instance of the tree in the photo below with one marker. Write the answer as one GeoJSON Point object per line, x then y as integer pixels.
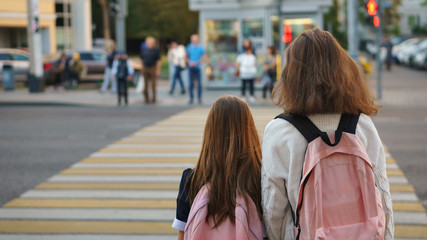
{"type": "Point", "coordinates": [334, 25]}
{"type": "Point", "coordinates": [105, 19]}
{"type": "Point", "coordinates": [165, 20]}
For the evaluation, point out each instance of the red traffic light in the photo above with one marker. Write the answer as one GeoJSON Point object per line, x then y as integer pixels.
{"type": "Point", "coordinates": [376, 21]}
{"type": "Point", "coordinates": [372, 7]}
{"type": "Point", "coordinates": [287, 36]}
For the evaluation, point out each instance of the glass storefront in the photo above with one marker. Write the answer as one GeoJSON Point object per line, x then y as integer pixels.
{"type": "Point", "coordinates": [222, 38]}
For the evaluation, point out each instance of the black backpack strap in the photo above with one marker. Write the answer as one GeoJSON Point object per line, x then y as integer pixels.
{"type": "Point", "coordinates": [348, 123]}
{"type": "Point", "coordinates": [304, 125]}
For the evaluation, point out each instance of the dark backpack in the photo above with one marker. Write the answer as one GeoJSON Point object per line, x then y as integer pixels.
{"type": "Point", "coordinates": [122, 69]}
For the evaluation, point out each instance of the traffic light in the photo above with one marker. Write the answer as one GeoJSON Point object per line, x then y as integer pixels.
{"type": "Point", "coordinates": [372, 17]}
{"type": "Point", "coordinates": [287, 34]}
{"type": "Point", "coordinates": [114, 7]}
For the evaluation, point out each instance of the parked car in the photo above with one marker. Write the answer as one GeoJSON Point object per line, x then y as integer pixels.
{"type": "Point", "coordinates": [402, 50]}
{"type": "Point", "coordinates": [408, 54]}
{"type": "Point", "coordinates": [18, 59]}
{"type": "Point", "coordinates": [94, 62]}
{"type": "Point", "coordinates": [420, 59]}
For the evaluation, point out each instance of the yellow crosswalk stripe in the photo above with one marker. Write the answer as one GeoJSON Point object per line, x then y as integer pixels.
{"type": "Point", "coordinates": [89, 203]}
{"type": "Point", "coordinates": [402, 188]}
{"type": "Point", "coordinates": [138, 160]}
{"type": "Point", "coordinates": [149, 150]}
{"type": "Point", "coordinates": [121, 171]}
{"type": "Point", "coordinates": [395, 173]}
{"type": "Point", "coordinates": [109, 186]}
{"type": "Point", "coordinates": [407, 231]}
{"type": "Point", "coordinates": [91, 227]}
{"type": "Point", "coordinates": [408, 207]}
{"type": "Point", "coordinates": [390, 160]}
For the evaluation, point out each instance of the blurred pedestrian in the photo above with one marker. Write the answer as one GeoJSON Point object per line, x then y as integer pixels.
{"type": "Point", "coordinates": [151, 65]}
{"type": "Point", "coordinates": [75, 69]}
{"type": "Point", "coordinates": [59, 70]}
{"type": "Point", "coordinates": [122, 71]}
{"type": "Point", "coordinates": [108, 77]}
{"type": "Point", "coordinates": [388, 58]}
{"type": "Point", "coordinates": [176, 57]}
{"type": "Point", "coordinates": [269, 68]}
{"type": "Point", "coordinates": [195, 56]}
{"type": "Point", "coordinates": [247, 44]}
{"type": "Point", "coordinates": [247, 68]}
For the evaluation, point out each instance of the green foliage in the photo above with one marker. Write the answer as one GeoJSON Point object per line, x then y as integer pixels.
{"type": "Point", "coordinates": [391, 18]}
{"type": "Point", "coordinates": [163, 19]}
{"type": "Point", "coordinates": [333, 25]}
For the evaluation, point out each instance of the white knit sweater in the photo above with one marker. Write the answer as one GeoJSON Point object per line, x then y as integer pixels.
{"type": "Point", "coordinates": [283, 152]}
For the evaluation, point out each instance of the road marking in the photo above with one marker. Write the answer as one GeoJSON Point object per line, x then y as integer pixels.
{"type": "Point", "coordinates": [395, 173]}
{"type": "Point", "coordinates": [158, 146]}
{"type": "Point", "coordinates": [101, 194]}
{"type": "Point", "coordinates": [401, 188]}
{"type": "Point", "coordinates": [112, 179]}
{"type": "Point", "coordinates": [404, 197]}
{"type": "Point", "coordinates": [167, 134]}
{"type": "Point", "coordinates": [397, 180]}
{"type": "Point", "coordinates": [165, 215]}
{"type": "Point", "coordinates": [111, 186]}
{"type": "Point", "coordinates": [392, 166]}
{"type": "Point", "coordinates": [149, 150]}
{"type": "Point", "coordinates": [146, 155]}
{"type": "Point", "coordinates": [390, 160]}
{"type": "Point", "coordinates": [134, 165]}
{"type": "Point", "coordinates": [406, 218]}
{"type": "Point", "coordinates": [119, 171]}
{"type": "Point", "coordinates": [85, 237]}
{"type": "Point", "coordinates": [89, 203]}
{"type": "Point", "coordinates": [137, 160]}
{"type": "Point", "coordinates": [113, 227]}
{"type": "Point", "coordinates": [408, 206]}
{"type": "Point", "coordinates": [405, 231]}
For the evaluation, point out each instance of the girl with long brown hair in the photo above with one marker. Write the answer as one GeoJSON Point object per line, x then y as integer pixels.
{"type": "Point", "coordinates": [229, 163]}
{"type": "Point", "coordinates": [319, 81]}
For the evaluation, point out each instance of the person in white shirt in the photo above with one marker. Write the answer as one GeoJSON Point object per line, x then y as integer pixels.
{"type": "Point", "coordinates": [177, 56]}
{"type": "Point", "coordinates": [319, 81]}
{"type": "Point", "coordinates": [247, 68]}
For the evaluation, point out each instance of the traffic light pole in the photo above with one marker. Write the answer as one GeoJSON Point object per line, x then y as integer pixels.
{"type": "Point", "coordinates": [35, 76]}
{"type": "Point", "coordinates": [378, 55]}
{"type": "Point", "coordinates": [353, 40]}
{"type": "Point", "coordinates": [121, 25]}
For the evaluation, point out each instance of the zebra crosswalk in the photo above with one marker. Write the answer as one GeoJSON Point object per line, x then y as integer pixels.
{"type": "Point", "coordinates": [128, 189]}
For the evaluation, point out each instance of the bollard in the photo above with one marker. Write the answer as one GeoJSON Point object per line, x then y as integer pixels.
{"type": "Point", "coordinates": [8, 80]}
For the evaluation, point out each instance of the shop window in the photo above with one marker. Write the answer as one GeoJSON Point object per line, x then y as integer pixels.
{"type": "Point", "coordinates": [252, 28]}
{"type": "Point", "coordinates": [221, 45]}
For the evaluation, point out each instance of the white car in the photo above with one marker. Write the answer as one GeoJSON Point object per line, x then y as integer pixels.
{"type": "Point", "coordinates": [420, 59]}
{"type": "Point", "coordinates": [397, 51]}
{"type": "Point", "coordinates": [18, 59]}
{"type": "Point", "coordinates": [406, 54]}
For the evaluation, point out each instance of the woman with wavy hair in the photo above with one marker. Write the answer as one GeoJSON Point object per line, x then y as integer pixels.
{"type": "Point", "coordinates": [322, 82]}
{"type": "Point", "coordinates": [229, 164]}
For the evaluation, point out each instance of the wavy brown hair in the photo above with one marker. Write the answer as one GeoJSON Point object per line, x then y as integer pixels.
{"type": "Point", "coordinates": [230, 159]}
{"type": "Point", "coordinates": [320, 77]}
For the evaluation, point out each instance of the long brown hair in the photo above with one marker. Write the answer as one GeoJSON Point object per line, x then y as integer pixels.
{"type": "Point", "coordinates": [320, 77]}
{"type": "Point", "coordinates": [230, 159]}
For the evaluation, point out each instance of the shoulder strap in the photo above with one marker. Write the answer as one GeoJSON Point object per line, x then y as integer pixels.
{"type": "Point", "coordinates": [304, 125]}
{"type": "Point", "coordinates": [348, 123]}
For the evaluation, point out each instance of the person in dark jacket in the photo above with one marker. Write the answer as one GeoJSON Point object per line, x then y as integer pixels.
{"type": "Point", "coordinates": [122, 71]}
{"type": "Point", "coordinates": [150, 58]}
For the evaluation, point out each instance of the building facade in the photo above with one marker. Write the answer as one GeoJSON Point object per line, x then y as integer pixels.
{"type": "Point", "coordinates": [65, 24]}
{"type": "Point", "coordinates": [412, 13]}
{"type": "Point", "coordinates": [224, 24]}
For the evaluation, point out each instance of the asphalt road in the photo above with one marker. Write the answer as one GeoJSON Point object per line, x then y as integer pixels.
{"type": "Point", "coordinates": [37, 142]}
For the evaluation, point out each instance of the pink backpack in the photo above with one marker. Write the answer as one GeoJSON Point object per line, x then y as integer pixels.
{"type": "Point", "coordinates": [197, 227]}
{"type": "Point", "coordinates": [338, 198]}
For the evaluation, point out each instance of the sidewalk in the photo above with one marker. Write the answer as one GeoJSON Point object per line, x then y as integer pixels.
{"type": "Point", "coordinates": [95, 98]}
